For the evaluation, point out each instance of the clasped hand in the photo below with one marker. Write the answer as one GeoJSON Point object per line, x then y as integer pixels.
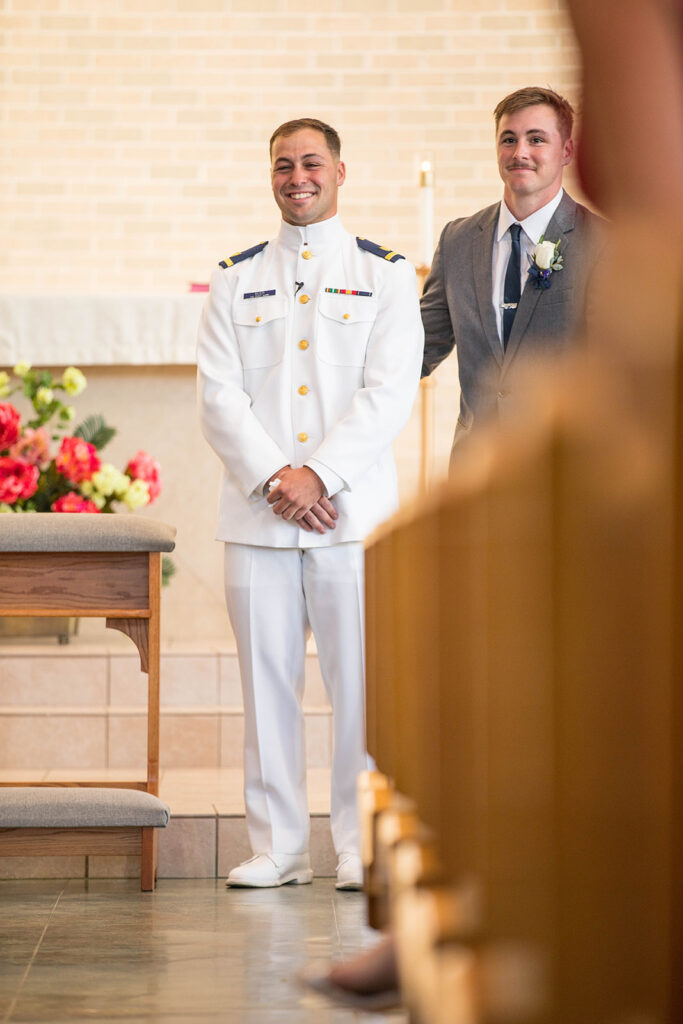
{"type": "Point", "coordinates": [300, 495]}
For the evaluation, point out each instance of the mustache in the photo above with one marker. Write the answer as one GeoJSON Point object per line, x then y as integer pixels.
{"type": "Point", "coordinates": [520, 167]}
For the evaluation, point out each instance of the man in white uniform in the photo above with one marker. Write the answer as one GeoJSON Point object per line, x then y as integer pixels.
{"type": "Point", "coordinates": [309, 358]}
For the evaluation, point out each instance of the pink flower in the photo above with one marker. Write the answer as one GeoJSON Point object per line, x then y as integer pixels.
{"type": "Point", "coordinates": [9, 425]}
{"type": "Point", "coordinates": [18, 479]}
{"type": "Point", "coordinates": [77, 459]}
{"type": "Point", "coordinates": [33, 446]}
{"type": "Point", "coordinates": [143, 467]}
{"type": "Point", "coordinates": [73, 502]}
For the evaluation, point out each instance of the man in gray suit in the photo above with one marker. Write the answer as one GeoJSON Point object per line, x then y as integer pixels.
{"type": "Point", "coordinates": [509, 284]}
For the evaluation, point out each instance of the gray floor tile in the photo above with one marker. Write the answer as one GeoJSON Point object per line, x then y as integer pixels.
{"type": "Point", "coordinates": [192, 951]}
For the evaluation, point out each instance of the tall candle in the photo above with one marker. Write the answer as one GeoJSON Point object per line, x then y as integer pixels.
{"type": "Point", "coordinates": [426, 212]}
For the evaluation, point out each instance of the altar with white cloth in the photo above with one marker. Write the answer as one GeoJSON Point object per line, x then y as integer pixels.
{"type": "Point", "coordinates": [97, 330]}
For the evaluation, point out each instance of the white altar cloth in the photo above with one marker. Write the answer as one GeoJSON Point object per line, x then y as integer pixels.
{"type": "Point", "coordinates": [92, 330]}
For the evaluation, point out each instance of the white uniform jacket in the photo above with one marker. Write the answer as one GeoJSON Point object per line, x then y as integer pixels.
{"type": "Point", "coordinates": [295, 369]}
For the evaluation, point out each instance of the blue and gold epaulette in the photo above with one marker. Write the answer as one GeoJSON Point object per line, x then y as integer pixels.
{"type": "Point", "coordinates": [237, 257]}
{"type": "Point", "coordinates": [379, 250]}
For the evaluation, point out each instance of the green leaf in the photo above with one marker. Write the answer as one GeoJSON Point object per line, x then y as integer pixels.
{"type": "Point", "coordinates": [168, 570]}
{"type": "Point", "coordinates": [94, 430]}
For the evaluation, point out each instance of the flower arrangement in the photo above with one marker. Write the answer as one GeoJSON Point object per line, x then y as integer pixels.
{"type": "Point", "coordinates": [545, 260]}
{"type": "Point", "coordinates": [69, 477]}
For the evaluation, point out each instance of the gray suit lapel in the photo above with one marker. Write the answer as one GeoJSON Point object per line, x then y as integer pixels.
{"type": "Point", "coordinates": [560, 226]}
{"type": "Point", "coordinates": [482, 251]}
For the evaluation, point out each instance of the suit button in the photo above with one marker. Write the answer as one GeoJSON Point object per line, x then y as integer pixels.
{"type": "Point", "coordinates": [258, 319]}
{"type": "Point", "coordinates": [346, 316]}
{"type": "Point", "coordinates": [306, 254]}
{"type": "Point", "coordinates": [302, 437]}
{"type": "Point", "coordinates": [303, 344]}
{"type": "Point", "coordinates": [304, 299]}
{"type": "Point", "coordinates": [303, 390]}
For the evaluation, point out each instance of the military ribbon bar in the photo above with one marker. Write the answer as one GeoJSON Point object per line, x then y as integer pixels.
{"type": "Point", "coordinates": [348, 291]}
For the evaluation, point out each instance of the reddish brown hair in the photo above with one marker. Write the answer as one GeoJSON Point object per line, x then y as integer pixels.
{"type": "Point", "coordinates": [532, 96]}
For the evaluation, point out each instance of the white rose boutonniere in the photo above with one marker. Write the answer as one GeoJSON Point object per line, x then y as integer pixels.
{"type": "Point", "coordinates": [545, 260]}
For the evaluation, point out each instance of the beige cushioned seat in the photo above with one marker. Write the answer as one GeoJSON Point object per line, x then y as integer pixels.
{"type": "Point", "coordinates": [71, 807]}
{"type": "Point", "coordinates": [77, 531]}
{"type": "Point", "coordinates": [103, 566]}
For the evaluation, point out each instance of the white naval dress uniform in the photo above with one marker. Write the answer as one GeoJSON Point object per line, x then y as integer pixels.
{"type": "Point", "coordinates": [309, 352]}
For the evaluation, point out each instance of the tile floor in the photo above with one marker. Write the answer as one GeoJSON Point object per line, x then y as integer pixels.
{"type": "Point", "coordinates": [75, 950]}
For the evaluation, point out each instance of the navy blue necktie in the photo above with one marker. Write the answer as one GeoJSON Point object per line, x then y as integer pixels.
{"type": "Point", "coordinates": [512, 289]}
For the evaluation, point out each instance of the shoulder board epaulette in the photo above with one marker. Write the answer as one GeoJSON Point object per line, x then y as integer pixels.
{"type": "Point", "coordinates": [379, 250]}
{"type": "Point", "coordinates": [237, 257]}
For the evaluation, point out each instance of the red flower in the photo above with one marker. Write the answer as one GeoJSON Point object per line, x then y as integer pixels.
{"type": "Point", "coordinates": [77, 459]}
{"type": "Point", "coordinates": [143, 467]}
{"type": "Point", "coordinates": [18, 479]}
{"type": "Point", "coordinates": [73, 502]}
{"type": "Point", "coordinates": [9, 425]}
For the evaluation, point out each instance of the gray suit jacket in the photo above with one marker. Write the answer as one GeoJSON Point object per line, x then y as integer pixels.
{"type": "Point", "coordinates": [457, 308]}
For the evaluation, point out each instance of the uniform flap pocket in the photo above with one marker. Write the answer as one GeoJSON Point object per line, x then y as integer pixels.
{"type": "Point", "coordinates": [348, 309]}
{"type": "Point", "coordinates": [259, 312]}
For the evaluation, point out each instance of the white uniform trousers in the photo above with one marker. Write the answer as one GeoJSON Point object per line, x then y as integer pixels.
{"type": "Point", "coordinates": [275, 596]}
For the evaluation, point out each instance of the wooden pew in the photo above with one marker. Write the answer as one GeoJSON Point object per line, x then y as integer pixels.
{"type": "Point", "coordinates": [522, 685]}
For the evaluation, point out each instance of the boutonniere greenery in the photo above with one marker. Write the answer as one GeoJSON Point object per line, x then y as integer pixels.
{"type": "Point", "coordinates": [545, 260]}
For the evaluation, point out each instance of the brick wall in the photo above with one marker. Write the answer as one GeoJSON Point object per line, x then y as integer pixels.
{"type": "Point", "coordinates": [133, 132]}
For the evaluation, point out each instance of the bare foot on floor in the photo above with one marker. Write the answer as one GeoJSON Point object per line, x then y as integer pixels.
{"type": "Point", "coordinates": [375, 970]}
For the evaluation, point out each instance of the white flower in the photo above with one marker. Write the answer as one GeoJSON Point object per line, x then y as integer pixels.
{"type": "Point", "coordinates": [137, 494]}
{"type": "Point", "coordinates": [108, 480]}
{"type": "Point", "coordinates": [73, 380]}
{"type": "Point", "coordinates": [44, 396]}
{"type": "Point", "coordinates": [544, 254]}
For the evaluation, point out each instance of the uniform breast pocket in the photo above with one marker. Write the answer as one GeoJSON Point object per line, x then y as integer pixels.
{"type": "Point", "coordinates": [260, 329]}
{"type": "Point", "coordinates": [344, 327]}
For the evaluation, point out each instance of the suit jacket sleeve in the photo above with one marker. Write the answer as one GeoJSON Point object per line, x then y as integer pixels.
{"type": "Point", "coordinates": [228, 423]}
{"type": "Point", "coordinates": [439, 336]}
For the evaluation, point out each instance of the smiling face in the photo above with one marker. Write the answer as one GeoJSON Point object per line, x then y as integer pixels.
{"type": "Point", "coordinates": [531, 157]}
{"type": "Point", "coordinates": [305, 177]}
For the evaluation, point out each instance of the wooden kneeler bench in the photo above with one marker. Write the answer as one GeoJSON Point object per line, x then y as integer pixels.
{"type": "Point", "coordinates": [96, 566]}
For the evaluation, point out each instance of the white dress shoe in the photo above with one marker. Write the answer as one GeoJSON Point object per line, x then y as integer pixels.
{"type": "Point", "coordinates": [349, 872]}
{"type": "Point", "coordinates": [267, 870]}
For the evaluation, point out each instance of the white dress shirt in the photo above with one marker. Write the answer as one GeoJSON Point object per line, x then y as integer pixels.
{"type": "Point", "coordinates": [533, 229]}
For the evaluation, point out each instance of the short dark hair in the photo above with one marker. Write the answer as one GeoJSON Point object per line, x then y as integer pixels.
{"type": "Point", "coordinates": [532, 96]}
{"type": "Point", "coordinates": [291, 127]}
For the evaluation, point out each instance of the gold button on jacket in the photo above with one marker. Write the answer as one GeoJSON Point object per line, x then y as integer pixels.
{"type": "Point", "coordinates": [304, 299]}
{"type": "Point", "coordinates": [303, 344]}
{"type": "Point", "coordinates": [303, 390]}
{"type": "Point", "coordinates": [306, 254]}
{"type": "Point", "coordinates": [302, 437]}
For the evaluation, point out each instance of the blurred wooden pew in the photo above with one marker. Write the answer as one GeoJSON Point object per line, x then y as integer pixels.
{"type": "Point", "coordinates": [523, 687]}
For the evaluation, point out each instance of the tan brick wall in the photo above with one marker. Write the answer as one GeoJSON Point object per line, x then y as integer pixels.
{"type": "Point", "coordinates": [133, 132]}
